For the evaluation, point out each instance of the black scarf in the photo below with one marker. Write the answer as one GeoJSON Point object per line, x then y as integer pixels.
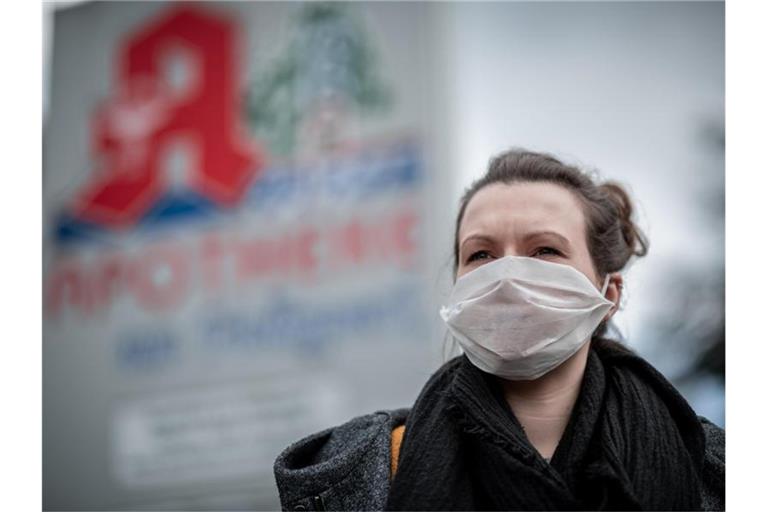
{"type": "Point", "coordinates": [632, 443]}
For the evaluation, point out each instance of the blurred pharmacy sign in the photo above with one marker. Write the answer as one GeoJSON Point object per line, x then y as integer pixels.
{"type": "Point", "coordinates": [235, 198]}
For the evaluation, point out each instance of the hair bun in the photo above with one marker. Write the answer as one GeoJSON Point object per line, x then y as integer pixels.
{"type": "Point", "coordinates": [637, 243]}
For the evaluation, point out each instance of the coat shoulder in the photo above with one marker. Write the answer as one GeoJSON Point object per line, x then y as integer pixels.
{"type": "Point", "coordinates": [346, 467]}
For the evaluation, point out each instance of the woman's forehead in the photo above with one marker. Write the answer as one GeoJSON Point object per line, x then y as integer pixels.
{"type": "Point", "coordinates": [518, 208]}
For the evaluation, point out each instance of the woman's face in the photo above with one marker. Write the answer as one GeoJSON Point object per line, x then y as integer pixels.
{"type": "Point", "coordinates": [534, 219]}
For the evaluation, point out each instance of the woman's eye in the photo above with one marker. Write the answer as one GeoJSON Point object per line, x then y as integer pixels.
{"type": "Point", "coordinates": [547, 251]}
{"type": "Point", "coordinates": [478, 255]}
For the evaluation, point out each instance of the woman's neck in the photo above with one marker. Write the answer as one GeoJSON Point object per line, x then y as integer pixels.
{"type": "Point", "coordinates": [543, 406]}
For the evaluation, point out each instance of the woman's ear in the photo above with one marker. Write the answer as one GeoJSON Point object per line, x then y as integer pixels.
{"type": "Point", "coordinates": [613, 293]}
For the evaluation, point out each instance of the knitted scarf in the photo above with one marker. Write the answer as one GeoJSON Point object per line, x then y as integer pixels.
{"type": "Point", "coordinates": [631, 443]}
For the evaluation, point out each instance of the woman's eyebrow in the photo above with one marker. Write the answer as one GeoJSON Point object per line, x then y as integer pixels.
{"type": "Point", "coordinates": [540, 234]}
{"type": "Point", "coordinates": [477, 236]}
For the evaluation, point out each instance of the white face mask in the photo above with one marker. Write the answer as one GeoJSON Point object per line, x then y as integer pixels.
{"type": "Point", "coordinates": [519, 318]}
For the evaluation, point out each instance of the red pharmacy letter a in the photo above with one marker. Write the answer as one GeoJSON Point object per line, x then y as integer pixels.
{"type": "Point", "coordinates": [176, 84]}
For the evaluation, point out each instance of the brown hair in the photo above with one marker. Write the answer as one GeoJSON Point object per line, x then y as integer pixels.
{"type": "Point", "coordinates": [612, 236]}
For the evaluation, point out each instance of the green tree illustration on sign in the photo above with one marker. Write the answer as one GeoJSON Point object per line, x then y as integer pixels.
{"type": "Point", "coordinates": [326, 73]}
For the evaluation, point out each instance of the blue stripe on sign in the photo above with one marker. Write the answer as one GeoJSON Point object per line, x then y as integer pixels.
{"type": "Point", "coordinates": [355, 179]}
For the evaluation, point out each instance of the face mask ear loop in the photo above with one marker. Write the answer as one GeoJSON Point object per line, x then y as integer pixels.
{"type": "Point", "coordinates": [605, 284]}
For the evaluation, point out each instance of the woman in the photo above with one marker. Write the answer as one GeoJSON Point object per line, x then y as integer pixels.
{"type": "Point", "coordinates": [541, 412]}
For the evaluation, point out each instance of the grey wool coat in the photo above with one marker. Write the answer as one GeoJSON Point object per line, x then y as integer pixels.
{"type": "Point", "coordinates": [348, 467]}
